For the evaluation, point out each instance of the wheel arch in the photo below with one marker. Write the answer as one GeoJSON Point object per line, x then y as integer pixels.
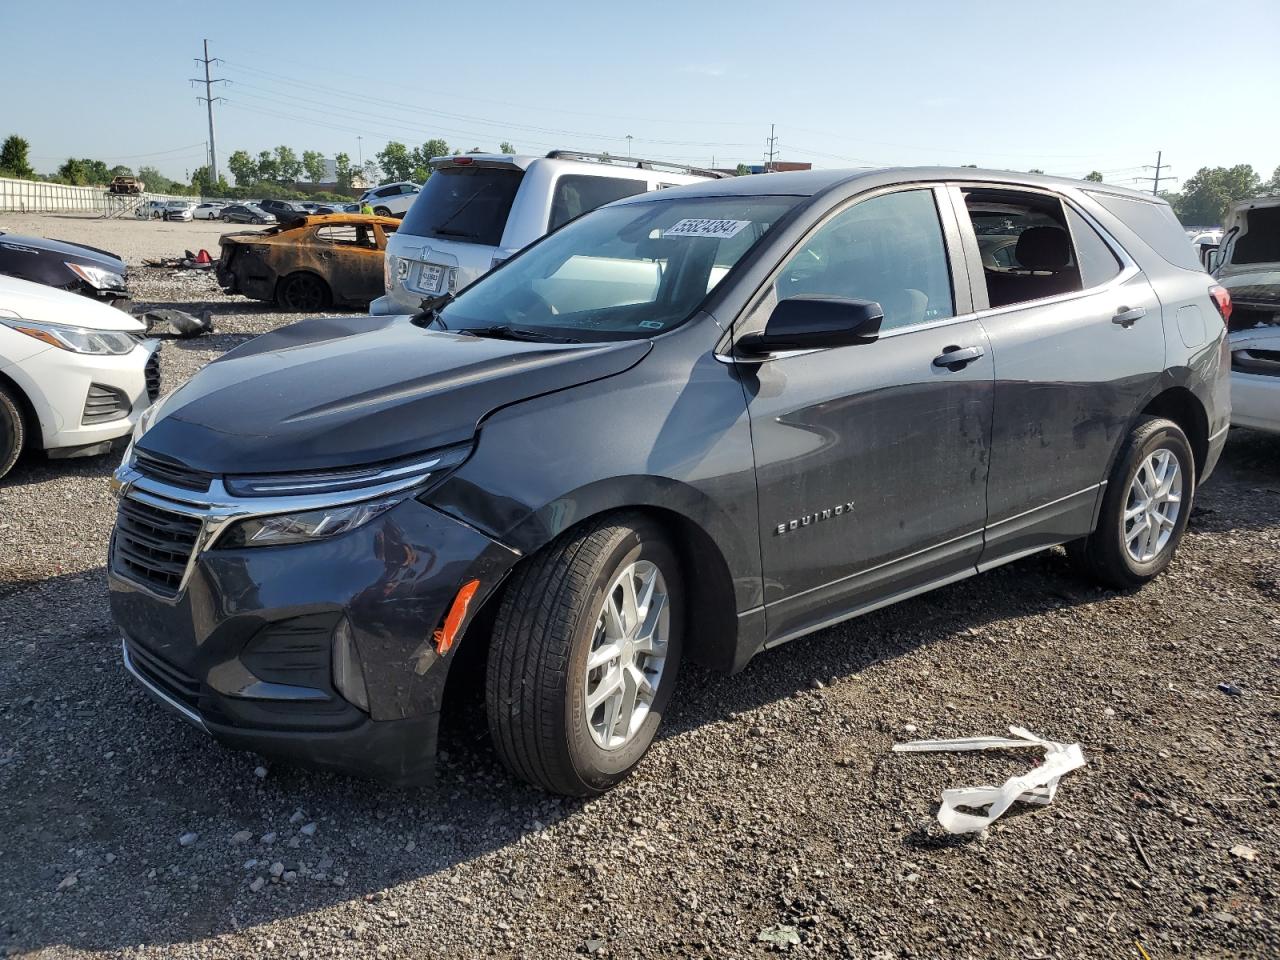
{"type": "Point", "coordinates": [1179, 404]}
{"type": "Point", "coordinates": [34, 439]}
{"type": "Point", "coordinates": [283, 278]}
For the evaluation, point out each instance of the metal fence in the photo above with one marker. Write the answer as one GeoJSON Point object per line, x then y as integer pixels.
{"type": "Point", "coordinates": [34, 196]}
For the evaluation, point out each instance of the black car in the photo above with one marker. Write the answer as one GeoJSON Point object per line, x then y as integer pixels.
{"type": "Point", "coordinates": [282, 210]}
{"type": "Point", "coordinates": [245, 213]}
{"type": "Point", "coordinates": [695, 423]}
{"type": "Point", "coordinates": [67, 266]}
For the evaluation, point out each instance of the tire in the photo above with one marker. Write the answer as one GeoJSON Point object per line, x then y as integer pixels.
{"type": "Point", "coordinates": [550, 618]}
{"type": "Point", "coordinates": [13, 431]}
{"type": "Point", "coordinates": [225, 219]}
{"type": "Point", "coordinates": [303, 293]}
{"type": "Point", "coordinates": [1119, 553]}
{"type": "Point", "coordinates": [382, 211]}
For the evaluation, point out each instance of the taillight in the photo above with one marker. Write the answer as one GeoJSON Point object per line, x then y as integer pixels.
{"type": "Point", "coordinates": [1222, 300]}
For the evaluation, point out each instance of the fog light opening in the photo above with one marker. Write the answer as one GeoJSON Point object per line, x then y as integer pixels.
{"type": "Point", "coordinates": [348, 674]}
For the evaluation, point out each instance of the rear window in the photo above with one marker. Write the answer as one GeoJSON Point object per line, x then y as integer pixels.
{"type": "Point", "coordinates": [1155, 224]}
{"type": "Point", "coordinates": [470, 204]}
{"type": "Point", "coordinates": [575, 195]}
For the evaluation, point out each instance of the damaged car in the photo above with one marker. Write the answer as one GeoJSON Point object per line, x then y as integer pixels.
{"type": "Point", "coordinates": [693, 424]}
{"type": "Point", "coordinates": [1247, 263]}
{"type": "Point", "coordinates": [309, 263]}
{"type": "Point", "coordinates": [73, 267]}
{"type": "Point", "coordinates": [1255, 378]}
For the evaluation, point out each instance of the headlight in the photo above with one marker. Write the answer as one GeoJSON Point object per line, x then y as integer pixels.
{"type": "Point", "coordinates": [308, 525]}
{"type": "Point", "coordinates": [75, 339]}
{"type": "Point", "coordinates": [402, 473]}
{"type": "Point", "coordinates": [97, 277]}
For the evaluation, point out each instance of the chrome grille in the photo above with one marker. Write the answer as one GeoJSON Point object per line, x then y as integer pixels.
{"type": "Point", "coordinates": [152, 546]}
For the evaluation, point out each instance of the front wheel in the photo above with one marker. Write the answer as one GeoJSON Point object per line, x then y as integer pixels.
{"type": "Point", "coordinates": [584, 655]}
{"type": "Point", "coordinates": [1144, 510]}
{"type": "Point", "coordinates": [382, 211]}
{"type": "Point", "coordinates": [12, 431]}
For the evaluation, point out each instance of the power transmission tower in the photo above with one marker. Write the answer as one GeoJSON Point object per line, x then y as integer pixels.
{"type": "Point", "coordinates": [209, 99]}
{"type": "Point", "coordinates": [773, 143]}
{"type": "Point", "coordinates": [1155, 181]}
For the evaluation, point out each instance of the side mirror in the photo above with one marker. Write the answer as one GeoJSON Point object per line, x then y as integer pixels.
{"type": "Point", "coordinates": [811, 323]}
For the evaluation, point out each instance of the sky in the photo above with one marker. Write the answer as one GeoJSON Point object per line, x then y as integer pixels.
{"type": "Point", "coordinates": [1063, 87]}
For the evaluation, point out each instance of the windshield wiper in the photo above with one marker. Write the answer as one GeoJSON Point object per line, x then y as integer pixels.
{"type": "Point", "coordinates": [431, 311]}
{"type": "Point", "coordinates": [506, 332]}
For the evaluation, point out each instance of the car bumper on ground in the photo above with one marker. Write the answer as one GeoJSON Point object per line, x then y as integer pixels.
{"type": "Point", "coordinates": [244, 646]}
{"type": "Point", "coordinates": [84, 402]}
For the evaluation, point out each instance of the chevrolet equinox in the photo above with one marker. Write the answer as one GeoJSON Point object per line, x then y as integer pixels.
{"type": "Point", "coordinates": [694, 423]}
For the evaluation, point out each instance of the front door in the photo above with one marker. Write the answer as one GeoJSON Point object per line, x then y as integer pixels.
{"type": "Point", "coordinates": [871, 460]}
{"type": "Point", "coordinates": [352, 259]}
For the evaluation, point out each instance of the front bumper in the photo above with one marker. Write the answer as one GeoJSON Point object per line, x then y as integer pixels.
{"type": "Point", "coordinates": [57, 382]}
{"type": "Point", "coordinates": [243, 649]}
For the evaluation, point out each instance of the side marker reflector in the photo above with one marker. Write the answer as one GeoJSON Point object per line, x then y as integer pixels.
{"type": "Point", "coordinates": [457, 613]}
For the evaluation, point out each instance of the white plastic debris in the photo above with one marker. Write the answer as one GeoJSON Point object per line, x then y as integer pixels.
{"type": "Point", "coordinates": [1037, 786]}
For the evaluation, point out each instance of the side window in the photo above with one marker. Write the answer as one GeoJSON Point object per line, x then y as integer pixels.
{"type": "Point", "coordinates": [1154, 223]}
{"type": "Point", "coordinates": [1026, 248]}
{"type": "Point", "coordinates": [888, 249]}
{"type": "Point", "coordinates": [574, 195]}
{"type": "Point", "coordinates": [1097, 263]}
{"type": "Point", "coordinates": [347, 235]}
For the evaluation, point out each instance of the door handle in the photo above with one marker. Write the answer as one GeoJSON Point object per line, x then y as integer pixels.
{"type": "Point", "coordinates": [1127, 318]}
{"type": "Point", "coordinates": [955, 358]}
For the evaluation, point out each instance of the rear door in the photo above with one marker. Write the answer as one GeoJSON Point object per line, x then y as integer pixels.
{"type": "Point", "coordinates": [1077, 342]}
{"type": "Point", "coordinates": [352, 258]}
{"type": "Point", "coordinates": [871, 460]}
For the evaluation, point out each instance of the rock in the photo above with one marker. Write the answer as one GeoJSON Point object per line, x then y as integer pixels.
{"type": "Point", "coordinates": [269, 837]}
{"type": "Point", "coordinates": [289, 876]}
{"type": "Point", "coordinates": [110, 858]}
{"type": "Point", "coordinates": [258, 883]}
{"type": "Point", "coordinates": [594, 946]}
{"type": "Point", "coordinates": [242, 836]}
{"type": "Point", "coordinates": [277, 869]}
{"type": "Point", "coordinates": [1230, 689]}
{"type": "Point", "coordinates": [308, 829]}
{"type": "Point", "coordinates": [816, 684]}
{"type": "Point", "coordinates": [187, 839]}
{"type": "Point", "coordinates": [298, 817]}
{"type": "Point", "coordinates": [69, 881]}
{"type": "Point", "coordinates": [1241, 852]}
{"type": "Point", "coordinates": [1108, 712]}
{"type": "Point", "coordinates": [260, 772]}
{"type": "Point", "coordinates": [909, 728]}
{"type": "Point", "coordinates": [409, 847]}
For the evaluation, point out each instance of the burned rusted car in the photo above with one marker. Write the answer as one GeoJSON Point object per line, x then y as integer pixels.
{"type": "Point", "coordinates": [308, 263]}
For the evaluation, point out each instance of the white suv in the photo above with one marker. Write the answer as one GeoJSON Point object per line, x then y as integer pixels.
{"type": "Point", "coordinates": [477, 210]}
{"type": "Point", "coordinates": [391, 199]}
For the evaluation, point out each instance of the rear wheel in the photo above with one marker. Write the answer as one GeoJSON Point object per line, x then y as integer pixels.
{"type": "Point", "coordinates": [583, 660]}
{"type": "Point", "coordinates": [302, 293]}
{"type": "Point", "coordinates": [13, 432]}
{"type": "Point", "coordinates": [382, 211]}
{"type": "Point", "coordinates": [1145, 509]}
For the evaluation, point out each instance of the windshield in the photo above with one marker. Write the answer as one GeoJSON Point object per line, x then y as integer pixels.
{"type": "Point", "coordinates": [470, 204]}
{"type": "Point", "coordinates": [620, 272]}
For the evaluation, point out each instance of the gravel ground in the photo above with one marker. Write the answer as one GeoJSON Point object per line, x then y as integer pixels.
{"type": "Point", "coordinates": [770, 807]}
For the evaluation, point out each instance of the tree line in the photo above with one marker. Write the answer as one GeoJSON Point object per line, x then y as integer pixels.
{"type": "Point", "coordinates": [1203, 200]}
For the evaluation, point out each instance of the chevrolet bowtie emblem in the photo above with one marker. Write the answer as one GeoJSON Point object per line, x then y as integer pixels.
{"type": "Point", "coordinates": [840, 510]}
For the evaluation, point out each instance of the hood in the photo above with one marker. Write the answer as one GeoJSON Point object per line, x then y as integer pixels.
{"type": "Point", "coordinates": [344, 392]}
{"type": "Point", "coordinates": [77, 252]}
{"type": "Point", "coordinates": [35, 301]}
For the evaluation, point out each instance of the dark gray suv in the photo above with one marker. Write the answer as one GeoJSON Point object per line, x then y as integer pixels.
{"type": "Point", "coordinates": [693, 423]}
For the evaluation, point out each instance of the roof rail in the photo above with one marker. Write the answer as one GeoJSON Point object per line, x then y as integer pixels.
{"type": "Point", "coordinates": [639, 164]}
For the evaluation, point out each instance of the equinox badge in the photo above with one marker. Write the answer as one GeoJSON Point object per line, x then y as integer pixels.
{"type": "Point", "coordinates": [840, 510]}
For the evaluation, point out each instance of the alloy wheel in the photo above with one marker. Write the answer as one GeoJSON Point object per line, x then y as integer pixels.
{"type": "Point", "coordinates": [1152, 508]}
{"type": "Point", "coordinates": [628, 654]}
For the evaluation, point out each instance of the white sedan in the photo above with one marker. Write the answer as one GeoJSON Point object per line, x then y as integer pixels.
{"type": "Point", "coordinates": [1255, 378]}
{"type": "Point", "coordinates": [207, 211]}
{"type": "Point", "coordinates": [75, 374]}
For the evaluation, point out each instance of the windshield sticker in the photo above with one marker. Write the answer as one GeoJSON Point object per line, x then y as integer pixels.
{"type": "Point", "coordinates": [702, 227]}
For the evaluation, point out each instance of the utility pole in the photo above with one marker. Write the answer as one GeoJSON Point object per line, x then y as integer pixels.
{"type": "Point", "coordinates": [209, 99]}
{"type": "Point", "coordinates": [360, 148]}
{"type": "Point", "coordinates": [773, 142]}
{"type": "Point", "coordinates": [1155, 181]}
{"type": "Point", "coordinates": [628, 146]}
